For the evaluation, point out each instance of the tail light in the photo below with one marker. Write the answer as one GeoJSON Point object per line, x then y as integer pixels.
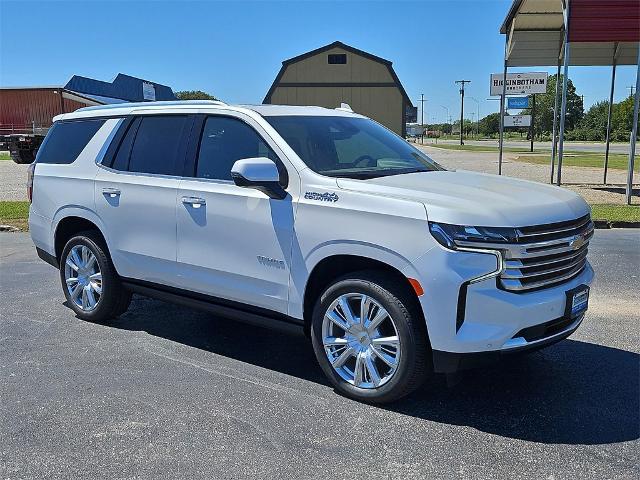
{"type": "Point", "coordinates": [30, 172]}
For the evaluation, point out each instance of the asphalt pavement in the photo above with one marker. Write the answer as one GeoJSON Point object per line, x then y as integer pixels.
{"type": "Point", "coordinates": [168, 392]}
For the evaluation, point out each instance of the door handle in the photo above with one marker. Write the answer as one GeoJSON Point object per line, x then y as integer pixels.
{"type": "Point", "coordinates": [111, 192]}
{"type": "Point", "coordinates": [195, 202]}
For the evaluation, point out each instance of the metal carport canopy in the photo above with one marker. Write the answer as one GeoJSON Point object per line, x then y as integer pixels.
{"type": "Point", "coordinates": [535, 32]}
{"type": "Point", "coordinates": [578, 33]}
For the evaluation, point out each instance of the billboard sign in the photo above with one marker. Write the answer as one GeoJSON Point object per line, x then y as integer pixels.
{"type": "Point", "coordinates": [411, 114]}
{"type": "Point", "coordinates": [517, 102]}
{"type": "Point", "coordinates": [519, 83]}
{"type": "Point", "coordinates": [517, 120]}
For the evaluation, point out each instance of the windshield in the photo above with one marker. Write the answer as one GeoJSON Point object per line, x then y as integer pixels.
{"type": "Point", "coordinates": [350, 147]}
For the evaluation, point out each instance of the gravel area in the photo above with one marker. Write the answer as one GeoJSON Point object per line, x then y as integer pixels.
{"type": "Point", "coordinates": [13, 178]}
{"type": "Point", "coordinates": [584, 180]}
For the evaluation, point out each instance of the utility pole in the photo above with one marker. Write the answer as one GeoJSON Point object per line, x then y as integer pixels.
{"type": "Point", "coordinates": [478, 118]}
{"type": "Point", "coordinates": [473, 120]}
{"type": "Point", "coordinates": [631, 87]}
{"type": "Point", "coordinates": [448, 116]}
{"type": "Point", "coordinates": [422, 100]}
{"type": "Point", "coordinates": [462, 83]}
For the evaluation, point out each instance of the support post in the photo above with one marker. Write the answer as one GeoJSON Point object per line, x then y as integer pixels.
{"type": "Point", "coordinates": [502, 100]}
{"type": "Point", "coordinates": [610, 110]}
{"type": "Point", "coordinates": [554, 140]}
{"type": "Point", "coordinates": [634, 134]}
{"type": "Point", "coordinates": [422, 118]}
{"type": "Point", "coordinates": [533, 119]}
{"type": "Point", "coordinates": [565, 82]}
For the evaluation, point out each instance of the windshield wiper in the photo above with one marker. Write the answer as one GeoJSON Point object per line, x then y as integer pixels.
{"type": "Point", "coordinates": [356, 175]}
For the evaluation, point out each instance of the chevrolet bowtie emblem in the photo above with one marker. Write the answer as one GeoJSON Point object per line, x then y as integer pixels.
{"type": "Point", "coordinates": [577, 242]}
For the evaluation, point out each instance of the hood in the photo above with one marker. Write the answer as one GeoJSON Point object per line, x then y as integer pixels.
{"type": "Point", "coordinates": [470, 198]}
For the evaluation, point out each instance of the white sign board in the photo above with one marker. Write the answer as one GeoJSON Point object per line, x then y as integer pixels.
{"type": "Point", "coordinates": [148, 91]}
{"type": "Point", "coordinates": [519, 83]}
{"type": "Point", "coordinates": [517, 120]}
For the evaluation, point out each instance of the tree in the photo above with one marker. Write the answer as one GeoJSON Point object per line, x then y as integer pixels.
{"type": "Point", "coordinates": [194, 95]}
{"type": "Point", "coordinates": [596, 116]}
{"type": "Point", "coordinates": [543, 121]}
{"type": "Point", "coordinates": [490, 125]}
{"type": "Point", "coordinates": [593, 125]}
{"type": "Point", "coordinates": [622, 117]}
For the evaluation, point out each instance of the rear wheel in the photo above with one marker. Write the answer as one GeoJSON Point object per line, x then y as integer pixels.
{"type": "Point", "coordinates": [369, 338]}
{"type": "Point", "coordinates": [89, 280]}
{"type": "Point", "coordinates": [23, 156]}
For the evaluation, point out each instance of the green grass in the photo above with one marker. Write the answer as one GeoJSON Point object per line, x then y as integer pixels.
{"type": "Point", "coordinates": [475, 148]}
{"type": "Point", "coordinates": [5, 156]}
{"type": "Point", "coordinates": [14, 214]}
{"type": "Point", "coordinates": [17, 213]}
{"type": "Point", "coordinates": [616, 213]}
{"type": "Point", "coordinates": [616, 161]}
{"type": "Point", "coordinates": [13, 210]}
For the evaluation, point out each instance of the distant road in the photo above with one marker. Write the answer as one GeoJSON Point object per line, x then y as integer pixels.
{"type": "Point", "coordinates": [574, 146]}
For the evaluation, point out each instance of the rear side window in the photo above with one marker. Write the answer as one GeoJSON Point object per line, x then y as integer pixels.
{"type": "Point", "coordinates": [159, 145]}
{"type": "Point", "coordinates": [66, 140]}
{"type": "Point", "coordinates": [225, 140]}
{"type": "Point", "coordinates": [121, 159]}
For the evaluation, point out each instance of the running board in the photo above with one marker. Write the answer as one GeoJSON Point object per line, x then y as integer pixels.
{"type": "Point", "coordinates": [209, 304]}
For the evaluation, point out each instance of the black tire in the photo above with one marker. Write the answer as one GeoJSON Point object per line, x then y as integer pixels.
{"type": "Point", "coordinates": [23, 156]}
{"type": "Point", "coordinates": [414, 364]}
{"type": "Point", "coordinates": [115, 299]}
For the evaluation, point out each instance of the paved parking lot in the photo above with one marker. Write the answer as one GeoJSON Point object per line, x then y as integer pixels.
{"type": "Point", "coordinates": [167, 392]}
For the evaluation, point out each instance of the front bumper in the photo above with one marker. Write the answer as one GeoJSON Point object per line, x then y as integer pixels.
{"type": "Point", "coordinates": [451, 362]}
{"type": "Point", "coordinates": [472, 323]}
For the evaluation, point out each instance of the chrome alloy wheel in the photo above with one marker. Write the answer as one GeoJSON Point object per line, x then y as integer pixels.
{"type": "Point", "coordinates": [361, 340]}
{"type": "Point", "coordinates": [83, 277]}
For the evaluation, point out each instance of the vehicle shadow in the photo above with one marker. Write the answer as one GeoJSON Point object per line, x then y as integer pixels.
{"type": "Point", "coordinates": [570, 393]}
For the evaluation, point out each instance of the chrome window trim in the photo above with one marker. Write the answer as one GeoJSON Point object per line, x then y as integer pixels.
{"type": "Point", "coordinates": [139, 174]}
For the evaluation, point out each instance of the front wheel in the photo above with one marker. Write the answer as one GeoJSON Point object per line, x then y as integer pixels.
{"type": "Point", "coordinates": [89, 280]}
{"type": "Point", "coordinates": [369, 338]}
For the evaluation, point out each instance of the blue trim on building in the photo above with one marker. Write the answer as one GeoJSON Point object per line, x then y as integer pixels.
{"type": "Point", "coordinates": [123, 87]}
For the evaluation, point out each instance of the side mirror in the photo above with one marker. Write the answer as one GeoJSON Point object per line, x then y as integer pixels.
{"type": "Point", "coordinates": [260, 173]}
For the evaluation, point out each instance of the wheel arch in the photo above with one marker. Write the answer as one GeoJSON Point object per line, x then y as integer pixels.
{"type": "Point", "coordinates": [70, 224]}
{"type": "Point", "coordinates": [338, 265]}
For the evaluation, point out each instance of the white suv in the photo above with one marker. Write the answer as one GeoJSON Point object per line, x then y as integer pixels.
{"type": "Point", "coordinates": [313, 219]}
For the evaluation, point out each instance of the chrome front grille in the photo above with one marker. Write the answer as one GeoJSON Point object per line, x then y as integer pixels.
{"type": "Point", "coordinates": [540, 256]}
{"type": "Point", "coordinates": [546, 255]}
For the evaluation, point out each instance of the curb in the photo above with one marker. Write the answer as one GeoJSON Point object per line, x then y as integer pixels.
{"type": "Point", "coordinates": [606, 224]}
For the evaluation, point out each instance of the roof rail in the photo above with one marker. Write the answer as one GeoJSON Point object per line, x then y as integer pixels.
{"type": "Point", "coordinates": [152, 104]}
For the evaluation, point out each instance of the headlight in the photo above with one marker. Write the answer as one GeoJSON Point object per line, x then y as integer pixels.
{"type": "Point", "coordinates": [450, 235]}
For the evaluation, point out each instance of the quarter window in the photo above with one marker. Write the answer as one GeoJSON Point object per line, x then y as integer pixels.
{"type": "Point", "coordinates": [121, 160]}
{"type": "Point", "coordinates": [158, 145]}
{"type": "Point", "coordinates": [224, 141]}
{"type": "Point", "coordinates": [66, 140]}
